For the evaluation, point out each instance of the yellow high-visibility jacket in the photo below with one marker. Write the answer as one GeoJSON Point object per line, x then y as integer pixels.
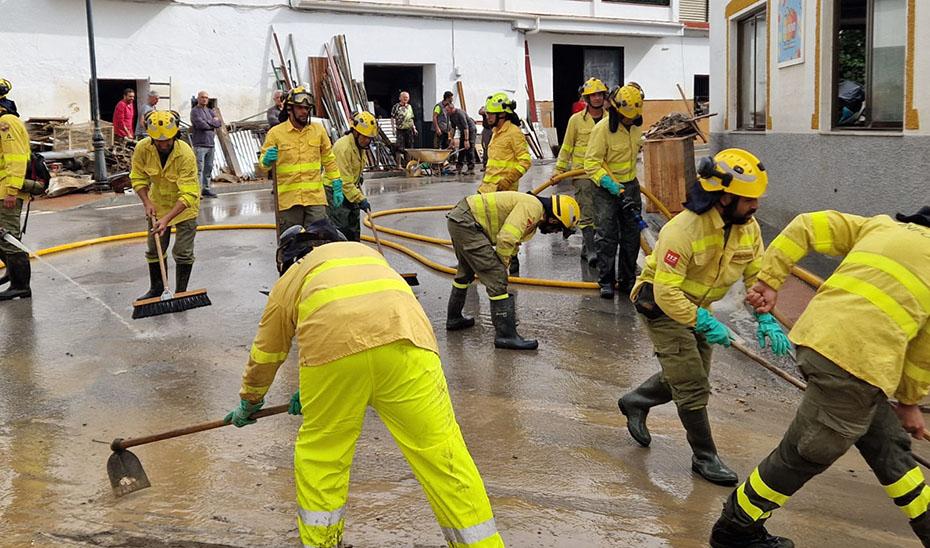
{"type": "Point", "coordinates": [340, 299]}
{"type": "Point", "coordinates": [14, 156]}
{"type": "Point", "coordinates": [618, 150]}
{"type": "Point", "coordinates": [507, 218]}
{"type": "Point", "coordinates": [176, 181]}
{"type": "Point", "coordinates": [508, 159]}
{"type": "Point", "coordinates": [575, 144]}
{"type": "Point", "coordinates": [302, 154]}
{"type": "Point", "coordinates": [351, 161]}
{"type": "Point", "coordinates": [694, 263]}
{"type": "Point", "coordinates": [870, 316]}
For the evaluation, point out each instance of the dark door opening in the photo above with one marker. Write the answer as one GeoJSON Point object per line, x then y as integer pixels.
{"type": "Point", "coordinates": [383, 84]}
{"type": "Point", "coordinates": [571, 66]}
{"type": "Point", "coordinates": [111, 92]}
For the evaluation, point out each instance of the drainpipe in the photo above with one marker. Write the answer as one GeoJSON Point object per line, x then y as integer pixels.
{"type": "Point", "coordinates": [535, 29]}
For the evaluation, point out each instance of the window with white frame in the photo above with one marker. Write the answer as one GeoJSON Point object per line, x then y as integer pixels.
{"type": "Point", "coordinates": [751, 69]}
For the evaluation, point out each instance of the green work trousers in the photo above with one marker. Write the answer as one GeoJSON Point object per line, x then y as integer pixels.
{"type": "Point", "coordinates": [475, 254]}
{"type": "Point", "coordinates": [300, 215]}
{"type": "Point", "coordinates": [685, 359]}
{"type": "Point", "coordinates": [346, 217]}
{"type": "Point", "coordinates": [617, 229]}
{"type": "Point", "coordinates": [584, 195]}
{"type": "Point", "coordinates": [183, 250]}
{"type": "Point", "coordinates": [9, 221]}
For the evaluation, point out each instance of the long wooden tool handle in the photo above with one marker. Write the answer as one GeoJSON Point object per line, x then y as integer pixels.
{"type": "Point", "coordinates": [798, 383]}
{"type": "Point", "coordinates": [274, 200]}
{"type": "Point", "coordinates": [120, 444]}
{"type": "Point", "coordinates": [161, 253]}
{"type": "Point", "coordinates": [375, 232]}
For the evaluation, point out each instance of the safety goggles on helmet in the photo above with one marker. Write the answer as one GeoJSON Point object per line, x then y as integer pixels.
{"type": "Point", "coordinates": [162, 125]}
{"type": "Point", "coordinates": [628, 100]}
{"type": "Point", "coordinates": [499, 103]}
{"type": "Point", "coordinates": [735, 171]}
{"type": "Point", "coordinates": [299, 96]}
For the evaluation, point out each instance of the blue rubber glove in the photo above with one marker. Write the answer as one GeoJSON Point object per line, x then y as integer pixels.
{"type": "Point", "coordinates": [769, 327]}
{"type": "Point", "coordinates": [270, 156]}
{"type": "Point", "coordinates": [294, 409]}
{"type": "Point", "coordinates": [338, 196]}
{"type": "Point", "coordinates": [364, 205]}
{"type": "Point", "coordinates": [610, 185]}
{"type": "Point", "coordinates": [709, 326]}
{"type": "Point", "coordinates": [241, 415]}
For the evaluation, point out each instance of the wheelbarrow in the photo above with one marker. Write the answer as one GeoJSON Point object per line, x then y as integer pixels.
{"type": "Point", "coordinates": [429, 161]}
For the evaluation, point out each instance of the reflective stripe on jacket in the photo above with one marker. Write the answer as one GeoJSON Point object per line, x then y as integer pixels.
{"type": "Point", "coordinates": [870, 316]}
{"type": "Point", "coordinates": [351, 161]}
{"type": "Point", "coordinates": [507, 218]}
{"type": "Point", "coordinates": [575, 144]}
{"type": "Point", "coordinates": [618, 150]}
{"type": "Point", "coordinates": [177, 180]}
{"type": "Point", "coordinates": [508, 159]}
{"type": "Point", "coordinates": [302, 155]}
{"type": "Point", "coordinates": [695, 262]}
{"type": "Point", "coordinates": [340, 299]}
{"type": "Point", "coordinates": [14, 156]}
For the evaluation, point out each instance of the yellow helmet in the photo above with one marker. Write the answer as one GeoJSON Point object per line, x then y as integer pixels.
{"type": "Point", "coordinates": [566, 210]}
{"type": "Point", "coordinates": [364, 123]}
{"type": "Point", "coordinates": [498, 103]}
{"type": "Point", "coordinates": [162, 125]}
{"type": "Point", "coordinates": [5, 87]}
{"type": "Point", "coordinates": [628, 100]}
{"type": "Point", "coordinates": [298, 96]}
{"type": "Point", "coordinates": [592, 86]}
{"type": "Point", "coordinates": [735, 171]}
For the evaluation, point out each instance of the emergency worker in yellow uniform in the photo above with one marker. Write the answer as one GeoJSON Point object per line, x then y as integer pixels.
{"type": "Point", "coordinates": [363, 339]}
{"type": "Point", "coordinates": [350, 155]}
{"type": "Point", "coordinates": [571, 157]}
{"type": "Point", "coordinates": [300, 150]}
{"type": "Point", "coordinates": [164, 176]}
{"type": "Point", "coordinates": [863, 338]}
{"type": "Point", "coordinates": [14, 157]}
{"type": "Point", "coordinates": [486, 231]}
{"type": "Point", "coordinates": [610, 163]}
{"type": "Point", "coordinates": [700, 253]}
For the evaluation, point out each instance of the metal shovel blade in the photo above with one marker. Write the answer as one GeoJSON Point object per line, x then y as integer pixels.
{"type": "Point", "coordinates": [126, 473]}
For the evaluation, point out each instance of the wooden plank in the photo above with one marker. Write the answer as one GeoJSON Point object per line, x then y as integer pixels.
{"type": "Point", "coordinates": [317, 73]}
{"type": "Point", "coordinates": [668, 168]}
{"type": "Point", "coordinates": [461, 89]}
{"type": "Point", "coordinates": [226, 144]}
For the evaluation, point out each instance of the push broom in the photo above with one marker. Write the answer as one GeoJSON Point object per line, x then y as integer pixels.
{"type": "Point", "coordinates": [169, 302]}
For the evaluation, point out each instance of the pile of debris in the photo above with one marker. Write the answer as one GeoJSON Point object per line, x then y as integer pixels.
{"type": "Point", "coordinates": [676, 125]}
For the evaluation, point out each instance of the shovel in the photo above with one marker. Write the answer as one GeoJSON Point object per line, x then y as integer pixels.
{"type": "Point", "coordinates": [125, 470]}
{"type": "Point", "coordinates": [409, 277]}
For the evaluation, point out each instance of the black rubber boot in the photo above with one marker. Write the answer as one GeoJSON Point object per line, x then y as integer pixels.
{"type": "Point", "coordinates": [588, 252]}
{"type": "Point", "coordinates": [182, 275]}
{"type": "Point", "coordinates": [5, 279]}
{"type": "Point", "coordinates": [635, 406]}
{"type": "Point", "coordinates": [20, 273]}
{"type": "Point", "coordinates": [729, 534]}
{"type": "Point", "coordinates": [504, 316]}
{"type": "Point", "coordinates": [705, 461]}
{"type": "Point", "coordinates": [514, 266]}
{"type": "Point", "coordinates": [921, 527]}
{"type": "Point", "coordinates": [454, 318]}
{"type": "Point", "coordinates": [156, 286]}
{"type": "Point", "coordinates": [607, 291]}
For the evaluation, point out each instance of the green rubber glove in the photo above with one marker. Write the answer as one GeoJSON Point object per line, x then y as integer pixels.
{"type": "Point", "coordinates": [270, 156]}
{"type": "Point", "coordinates": [610, 185]}
{"type": "Point", "coordinates": [338, 196]}
{"type": "Point", "coordinates": [769, 327]}
{"type": "Point", "coordinates": [241, 415]}
{"type": "Point", "coordinates": [709, 326]}
{"type": "Point", "coordinates": [294, 409]}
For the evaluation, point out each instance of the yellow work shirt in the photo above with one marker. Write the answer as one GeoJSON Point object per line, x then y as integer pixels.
{"type": "Point", "coordinates": [508, 159]}
{"type": "Point", "coordinates": [302, 154]}
{"type": "Point", "coordinates": [351, 161]}
{"type": "Point", "coordinates": [177, 180]}
{"type": "Point", "coordinates": [507, 218]}
{"type": "Point", "coordinates": [575, 143]}
{"type": "Point", "coordinates": [870, 316]}
{"type": "Point", "coordinates": [14, 156]}
{"type": "Point", "coordinates": [618, 150]}
{"type": "Point", "coordinates": [694, 263]}
{"type": "Point", "coordinates": [340, 299]}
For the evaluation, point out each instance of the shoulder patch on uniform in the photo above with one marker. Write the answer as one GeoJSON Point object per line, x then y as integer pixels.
{"type": "Point", "coordinates": [671, 258]}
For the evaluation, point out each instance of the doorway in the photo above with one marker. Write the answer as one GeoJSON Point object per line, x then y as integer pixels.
{"type": "Point", "coordinates": [383, 84]}
{"type": "Point", "coordinates": [571, 66]}
{"type": "Point", "coordinates": [111, 93]}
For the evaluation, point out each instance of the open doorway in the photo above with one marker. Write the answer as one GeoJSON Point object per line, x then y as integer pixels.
{"type": "Point", "coordinates": [571, 66]}
{"type": "Point", "coordinates": [383, 84]}
{"type": "Point", "coordinates": [111, 93]}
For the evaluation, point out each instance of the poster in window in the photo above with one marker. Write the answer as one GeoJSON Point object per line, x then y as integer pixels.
{"type": "Point", "coordinates": [790, 32]}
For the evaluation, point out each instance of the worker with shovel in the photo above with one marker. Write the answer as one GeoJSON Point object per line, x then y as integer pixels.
{"type": "Point", "coordinates": [363, 339]}
{"type": "Point", "coordinates": [571, 157]}
{"type": "Point", "coordinates": [486, 231]}
{"type": "Point", "coordinates": [350, 155]}
{"type": "Point", "coordinates": [164, 176]}
{"type": "Point", "coordinates": [700, 253]}
{"type": "Point", "coordinates": [14, 157]}
{"type": "Point", "coordinates": [863, 338]}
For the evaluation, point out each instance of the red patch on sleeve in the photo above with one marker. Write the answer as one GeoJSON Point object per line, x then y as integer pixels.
{"type": "Point", "coordinates": [672, 258]}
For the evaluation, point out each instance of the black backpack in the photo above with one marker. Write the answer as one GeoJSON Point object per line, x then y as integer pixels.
{"type": "Point", "coordinates": [37, 171]}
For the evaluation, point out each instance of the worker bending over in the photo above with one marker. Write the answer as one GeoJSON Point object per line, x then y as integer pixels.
{"type": "Point", "coordinates": [863, 338]}
{"type": "Point", "coordinates": [700, 253]}
{"type": "Point", "coordinates": [350, 155]}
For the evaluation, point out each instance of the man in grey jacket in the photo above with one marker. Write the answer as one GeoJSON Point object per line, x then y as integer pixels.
{"type": "Point", "coordinates": [204, 123]}
{"type": "Point", "coordinates": [150, 102]}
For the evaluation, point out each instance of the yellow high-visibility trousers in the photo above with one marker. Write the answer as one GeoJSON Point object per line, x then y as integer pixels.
{"type": "Point", "coordinates": [406, 386]}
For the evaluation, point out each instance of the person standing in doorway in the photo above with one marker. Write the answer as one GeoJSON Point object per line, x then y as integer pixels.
{"type": "Point", "coordinates": [124, 115]}
{"type": "Point", "coordinates": [204, 122]}
{"type": "Point", "coordinates": [441, 122]}
{"type": "Point", "coordinates": [151, 101]}
{"type": "Point", "coordinates": [273, 114]}
{"type": "Point", "coordinates": [405, 122]}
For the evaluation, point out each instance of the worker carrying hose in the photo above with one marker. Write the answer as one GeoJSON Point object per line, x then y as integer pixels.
{"type": "Point", "coordinates": [700, 253]}
{"type": "Point", "coordinates": [863, 338]}
{"type": "Point", "coordinates": [300, 150]}
{"type": "Point", "coordinates": [363, 339]}
{"type": "Point", "coordinates": [349, 151]}
{"type": "Point", "coordinates": [14, 158]}
{"type": "Point", "coordinates": [486, 231]}
{"type": "Point", "coordinates": [164, 176]}
{"type": "Point", "coordinates": [610, 163]}
{"type": "Point", "coordinates": [571, 157]}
